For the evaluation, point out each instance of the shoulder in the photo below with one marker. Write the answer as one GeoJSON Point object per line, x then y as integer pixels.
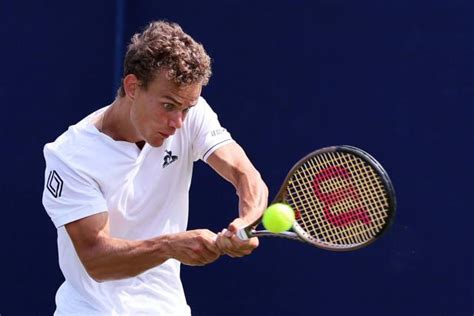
{"type": "Point", "coordinates": [200, 114]}
{"type": "Point", "coordinates": [70, 146]}
{"type": "Point", "coordinates": [200, 108]}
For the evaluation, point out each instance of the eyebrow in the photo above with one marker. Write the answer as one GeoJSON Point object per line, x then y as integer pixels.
{"type": "Point", "coordinates": [179, 103]}
{"type": "Point", "coordinates": [172, 99]}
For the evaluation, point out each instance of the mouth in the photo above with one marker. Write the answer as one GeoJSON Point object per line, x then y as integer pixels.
{"type": "Point", "coordinates": [165, 135]}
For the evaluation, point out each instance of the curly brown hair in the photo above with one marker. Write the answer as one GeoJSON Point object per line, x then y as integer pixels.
{"type": "Point", "coordinates": [164, 45]}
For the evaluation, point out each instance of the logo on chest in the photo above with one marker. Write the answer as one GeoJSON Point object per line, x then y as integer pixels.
{"type": "Point", "coordinates": [169, 158]}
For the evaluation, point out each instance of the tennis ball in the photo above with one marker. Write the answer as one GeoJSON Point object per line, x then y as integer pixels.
{"type": "Point", "coordinates": [278, 217]}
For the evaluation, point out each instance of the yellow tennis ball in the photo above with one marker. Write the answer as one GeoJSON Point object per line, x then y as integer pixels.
{"type": "Point", "coordinates": [278, 217]}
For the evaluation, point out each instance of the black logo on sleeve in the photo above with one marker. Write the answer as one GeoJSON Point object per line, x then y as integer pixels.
{"type": "Point", "coordinates": [169, 158]}
{"type": "Point", "coordinates": [54, 184]}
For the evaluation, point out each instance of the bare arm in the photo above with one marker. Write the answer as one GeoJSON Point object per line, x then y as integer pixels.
{"type": "Point", "coordinates": [231, 162]}
{"type": "Point", "coordinates": [106, 258]}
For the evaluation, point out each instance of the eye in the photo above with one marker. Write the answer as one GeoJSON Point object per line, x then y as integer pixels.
{"type": "Point", "coordinates": [168, 107]}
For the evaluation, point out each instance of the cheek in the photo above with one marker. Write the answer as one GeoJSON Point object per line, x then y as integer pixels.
{"type": "Point", "coordinates": [139, 118]}
{"type": "Point", "coordinates": [135, 116]}
{"type": "Point", "coordinates": [158, 117]}
{"type": "Point", "coordinates": [150, 120]}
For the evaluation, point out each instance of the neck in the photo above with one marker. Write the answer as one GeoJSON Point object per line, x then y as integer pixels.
{"type": "Point", "coordinates": [116, 123]}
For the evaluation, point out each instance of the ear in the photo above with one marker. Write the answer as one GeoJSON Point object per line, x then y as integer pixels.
{"type": "Point", "coordinates": [130, 85]}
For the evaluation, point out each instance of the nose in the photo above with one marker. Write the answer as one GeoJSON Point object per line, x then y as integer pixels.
{"type": "Point", "coordinates": [176, 120]}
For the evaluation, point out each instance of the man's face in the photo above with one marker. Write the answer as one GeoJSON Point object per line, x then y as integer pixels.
{"type": "Point", "coordinates": [160, 109]}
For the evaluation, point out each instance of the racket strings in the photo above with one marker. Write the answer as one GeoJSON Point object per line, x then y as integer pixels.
{"type": "Point", "coordinates": [354, 232]}
{"type": "Point", "coordinates": [340, 198]}
{"type": "Point", "coordinates": [304, 191]}
{"type": "Point", "coordinates": [329, 233]}
{"type": "Point", "coordinates": [335, 235]}
{"type": "Point", "coordinates": [366, 182]}
{"type": "Point", "coordinates": [375, 194]}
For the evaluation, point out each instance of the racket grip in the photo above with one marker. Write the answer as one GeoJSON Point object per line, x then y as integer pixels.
{"type": "Point", "coordinates": [242, 234]}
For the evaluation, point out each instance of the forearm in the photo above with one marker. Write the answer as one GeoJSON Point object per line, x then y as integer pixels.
{"type": "Point", "coordinates": [231, 162]}
{"type": "Point", "coordinates": [107, 258]}
{"type": "Point", "coordinates": [252, 192]}
{"type": "Point", "coordinates": [112, 258]}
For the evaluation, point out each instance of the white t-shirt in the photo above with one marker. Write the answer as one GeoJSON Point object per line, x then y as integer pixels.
{"type": "Point", "coordinates": [146, 195]}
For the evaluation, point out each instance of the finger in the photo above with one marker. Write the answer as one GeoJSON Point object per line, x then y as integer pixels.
{"type": "Point", "coordinates": [244, 247]}
{"type": "Point", "coordinates": [209, 243]}
{"type": "Point", "coordinates": [227, 233]}
{"type": "Point", "coordinates": [236, 224]}
{"type": "Point", "coordinates": [206, 256]}
{"type": "Point", "coordinates": [204, 249]}
{"type": "Point", "coordinates": [234, 248]}
{"type": "Point", "coordinates": [220, 242]}
{"type": "Point", "coordinates": [226, 246]}
{"type": "Point", "coordinates": [250, 243]}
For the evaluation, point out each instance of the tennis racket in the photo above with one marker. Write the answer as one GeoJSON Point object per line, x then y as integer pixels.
{"type": "Point", "coordinates": [342, 198]}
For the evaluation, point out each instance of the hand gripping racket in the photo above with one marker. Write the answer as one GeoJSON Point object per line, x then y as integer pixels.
{"type": "Point", "coordinates": [342, 198]}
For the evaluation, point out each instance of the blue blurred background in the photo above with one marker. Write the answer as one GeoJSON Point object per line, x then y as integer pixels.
{"type": "Point", "coordinates": [395, 78]}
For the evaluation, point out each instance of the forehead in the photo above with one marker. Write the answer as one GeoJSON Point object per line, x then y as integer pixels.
{"type": "Point", "coordinates": [161, 86]}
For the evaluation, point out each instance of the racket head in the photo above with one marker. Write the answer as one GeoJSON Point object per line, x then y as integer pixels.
{"type": "Point", "coordinates": [342, 197]}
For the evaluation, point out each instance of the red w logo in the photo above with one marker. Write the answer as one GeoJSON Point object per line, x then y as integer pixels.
{"type": "Point", "coordinates": [339, 195]}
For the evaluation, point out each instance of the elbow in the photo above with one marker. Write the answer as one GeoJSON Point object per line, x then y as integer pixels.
{"type": "Point", "coordinates": [101, 273]}
{"type": "Point", "coordinates": [96, 267]}
{"type": "Point", "coordinates": [97, 279]}
{"type": "Point", "coordinates": [100, 277]}
{"type": "Point", "coordinates": [94, 271]}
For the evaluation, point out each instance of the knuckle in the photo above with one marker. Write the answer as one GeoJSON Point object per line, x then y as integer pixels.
{"type": "Point", "coordinates": [197, 248]}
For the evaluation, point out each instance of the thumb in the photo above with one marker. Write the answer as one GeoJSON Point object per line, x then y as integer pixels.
{"type": "Point", "coordinates": [236, 224]}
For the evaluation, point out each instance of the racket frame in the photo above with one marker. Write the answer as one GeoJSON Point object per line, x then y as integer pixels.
{"type": "Point", "coordinates": [297, 232]}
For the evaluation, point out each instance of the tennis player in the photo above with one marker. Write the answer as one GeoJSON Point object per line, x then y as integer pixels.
{"type": "Point", "coordinates": [117, 184]}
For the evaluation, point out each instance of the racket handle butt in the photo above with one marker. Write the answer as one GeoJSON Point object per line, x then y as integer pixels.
{"type": "Point", "coordinates": [242, 234]}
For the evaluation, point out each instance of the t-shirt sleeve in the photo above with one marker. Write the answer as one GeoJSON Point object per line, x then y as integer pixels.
{"type": "Point", "coordinates": [69, 195]}
{"type": "Point", "coordinates": [208, 134]}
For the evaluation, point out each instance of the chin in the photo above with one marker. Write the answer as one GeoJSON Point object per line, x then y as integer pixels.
{"type": "Point", "coordinates": [155, 142]}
